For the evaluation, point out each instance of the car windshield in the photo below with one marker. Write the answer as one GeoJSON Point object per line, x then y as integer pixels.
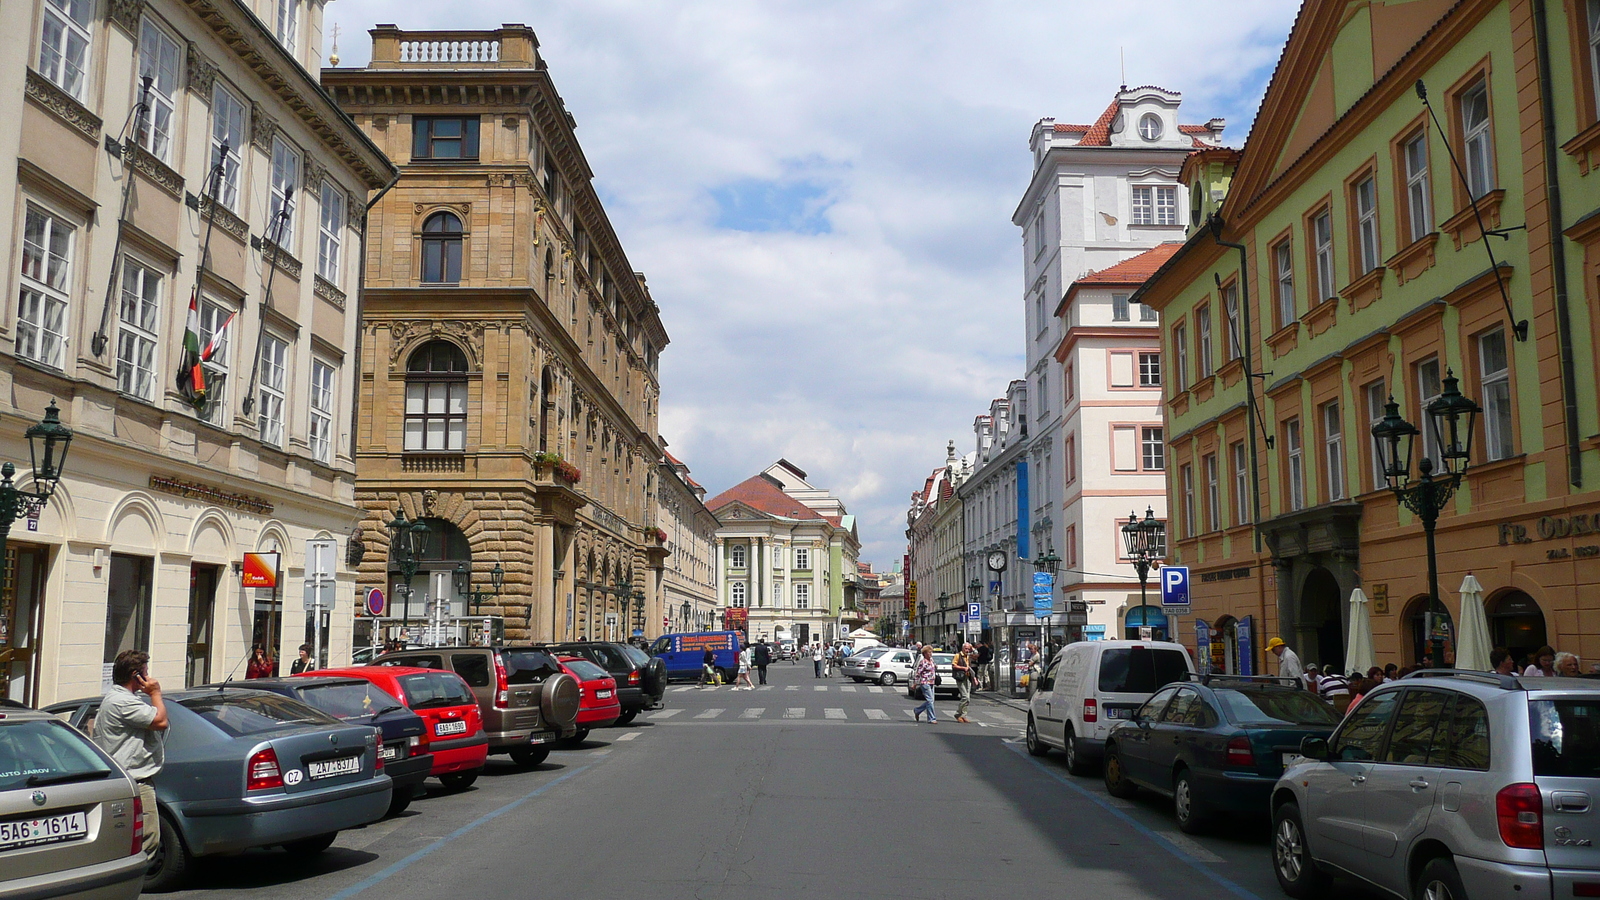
{"type": "Point", "coordinates": [1275, 708]}
{"type": "Point", "coordinates": [45, 751]}
{"type": "Point", "coordinates": [585, 670]}
{"type": "Point", "coordinates": [871, 653]}
{"type": "Point", "coordinates": [528, 666]}
{"type": "Point", "coordinates": [1566, 737]}
{"type": "Point", "coordinates": [1140, 670]}
{"type": "Point", "coordinates": [943, 659]}
{"type": "Point", "coordinates": [433, 690]}
{"type": "Point", "coordinates": [353, 699]}
{"type": "Point", "coordinates": [639, 657]}
{"type": "Point", "coordinates": [242, 714]}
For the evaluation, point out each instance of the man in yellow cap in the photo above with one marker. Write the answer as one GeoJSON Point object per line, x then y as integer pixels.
{"type": "Point", "coordinates": [1288, 663]}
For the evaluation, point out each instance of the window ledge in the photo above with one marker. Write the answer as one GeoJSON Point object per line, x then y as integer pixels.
{"type": "Point", "coordinates": [52, 99]}
{"type": "Point", "coordinates": [1204, 388]}
{"type": "Point", "coordinates": [325, 289]}
{"type": "Point", "coordinates": [1463, 226]}
{"type": "Point", "coordinates": [1284, 339]}
{"type": "Point", "coordinates": [1495, 466]}
{"type": "Point", "coordinates": [1360, 294]}
{"type": "Point", "coordinates": [1585, 148]}
{"type": "Point", "coordinates": [1321, 317]}
{"type": "Point", "coordinates": [415, 461]}
{"type": "Point", "coordinates": [1414, 259]}
{"type": "Point", "coordinates": [1231, 371]}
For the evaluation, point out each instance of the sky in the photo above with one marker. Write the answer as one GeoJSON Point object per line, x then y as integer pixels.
{"type": "Point", "coordinates": [820, 196]}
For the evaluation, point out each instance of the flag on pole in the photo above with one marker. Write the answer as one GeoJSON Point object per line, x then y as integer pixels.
{"type": "Point", "coordinates": [191, 377]}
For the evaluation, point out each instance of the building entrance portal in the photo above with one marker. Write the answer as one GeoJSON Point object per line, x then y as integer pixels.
{"type": "Point", "coordinates": [1321, 626]}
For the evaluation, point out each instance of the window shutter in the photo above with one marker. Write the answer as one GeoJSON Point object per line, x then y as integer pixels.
{"type": "Point", "coordinates": [419, 138]}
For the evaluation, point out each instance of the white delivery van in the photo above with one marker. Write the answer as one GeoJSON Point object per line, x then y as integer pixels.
{"type": "Point", "coordinates": [1091, 685]}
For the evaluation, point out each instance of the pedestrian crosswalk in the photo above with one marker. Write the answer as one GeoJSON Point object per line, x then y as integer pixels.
{"type": "Point", "coordinates": [988, 718]}
{"type": "Point", "coordinates": [842, 688]}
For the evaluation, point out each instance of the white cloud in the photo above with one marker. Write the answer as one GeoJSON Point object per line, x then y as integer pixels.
{"type": "Point", "coordinates": [856, 352]}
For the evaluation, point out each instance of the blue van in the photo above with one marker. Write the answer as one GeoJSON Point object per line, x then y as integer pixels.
{"type": "Point", "coordinates": [683, 653]}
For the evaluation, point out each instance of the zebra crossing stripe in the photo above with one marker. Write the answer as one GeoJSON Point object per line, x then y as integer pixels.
{"type": "Point", "coordinates": [709, 714]}
{"type": "Point", "coordinates": [753, 712]}
{"type": "Point", "coordinates": [832, 713]}
{"type": "Point", "coordinates": [630, 736]}
{"type": "Point", "coordinates": [665, 714]}
{"type": "Point", "coordinates": [795, 712]}
{"type": "Point", "coordinates": [848, 688]}
{"type": "Point", "coordinates": [874, 689]}
{"type": "Point", "coordinates": [792, 687]}
{"type": "Point", "coordinates": [820, 687]}
{"type": "Point", "coordinates": [876, 714]}
{"type": "Point", "coordinates": [764, 687]}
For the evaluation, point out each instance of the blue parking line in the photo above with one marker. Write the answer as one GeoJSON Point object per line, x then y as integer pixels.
{"type": "Point", "coordinates": [381, 876]}
{"type": "Point", "coordinates": [1153, 836]}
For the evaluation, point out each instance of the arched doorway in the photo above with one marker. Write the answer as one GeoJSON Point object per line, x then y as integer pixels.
{"type": "Point", "coordinates": [1517, 623]}
{"type": "Point", "coordinates": [1321, 626]}
{"type": "Point", "coordinates": [445, 548]}
{"type": "Point", "coordinates": [1144, 616]}
{"type": "Point", "coordinates": [1417, 619]}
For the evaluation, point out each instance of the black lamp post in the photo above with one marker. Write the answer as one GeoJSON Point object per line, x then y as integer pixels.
{"type": "Point", "coordinates": [463, 583]}
{"type": "Point", "coordinates": [686, 616]}
{"type": "Point", "coordinates": [1048, 563]}
{"type": "Point", "coordinates": [1453, 419]}
{"type": "Point", "coordinates": [1145, 542]}
{"type": "Point", "coordinates": [409, 541]}
{"type": "Point", "coordinates": [52, 439]}
{"type": "Point", "coordinates": [638, 613]}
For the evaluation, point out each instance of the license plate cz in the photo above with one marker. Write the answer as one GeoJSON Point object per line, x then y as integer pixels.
{"type": "Point", "coordinates": [456, 727]}
{"type": "Point", "coordinates": [43, 830]}
{"type": "Point", "coordinates": [1114, 713]}
{"type": "Point", "coordinates": [328, 768]}
{"type": "Point", "coordinates": [602, 694]}
{"type": "Point", "coordinates": [1290, 759]}
{"type": "Point", "coordinates": [391, 753]}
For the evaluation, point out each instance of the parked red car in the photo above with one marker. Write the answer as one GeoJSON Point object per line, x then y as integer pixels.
{"type": "Point", "coordinates": [454, 726]}
{"type": "Point", "coordinates": [598, 703]}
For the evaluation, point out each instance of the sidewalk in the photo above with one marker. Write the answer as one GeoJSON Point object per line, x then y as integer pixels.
{"type": "Point", "coordinates": [1003, 699]}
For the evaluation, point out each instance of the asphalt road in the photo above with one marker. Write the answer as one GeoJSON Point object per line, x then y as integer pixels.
{"type": "Point", "coordinates": [806, 787]}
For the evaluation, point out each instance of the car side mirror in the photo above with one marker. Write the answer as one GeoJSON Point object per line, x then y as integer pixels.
{"type": "Point", "coordinates": [1314, 748]}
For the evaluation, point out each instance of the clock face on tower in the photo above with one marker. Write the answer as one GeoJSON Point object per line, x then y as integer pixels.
{"type": "Point", "coordinates": [997, 560]}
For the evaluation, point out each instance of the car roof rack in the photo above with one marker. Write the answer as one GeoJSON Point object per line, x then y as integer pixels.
{"type": "Point", "coordinates": [1505, 682]}
{"type": "Point", "coordinates": [1208, 677]}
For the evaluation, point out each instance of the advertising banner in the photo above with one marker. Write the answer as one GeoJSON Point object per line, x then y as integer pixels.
{"type": "Point", "coordinates": [1202, 644]}
{"type": "Point", "coordinates": [1022, 509]}
{"type": "Point", "coordinates": [1246, 632]}
{"type": "Point", "coordinates": [260, 570]}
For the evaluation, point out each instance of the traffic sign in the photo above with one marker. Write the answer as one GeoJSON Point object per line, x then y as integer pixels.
{"type": "Point", "coordinates": [375, 602]}
{"type": "Point", "coordinates": [1174, 586]}
{"type": "Point", "coordinates": [974, 610]}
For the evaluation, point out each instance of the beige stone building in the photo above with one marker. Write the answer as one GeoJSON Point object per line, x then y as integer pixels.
{"type": "Point", "coordinates": [112, 197]}
{"type": "Point", "coordinates": [509, 351]}
{"type": "Point", "coordinates": [688, 577]}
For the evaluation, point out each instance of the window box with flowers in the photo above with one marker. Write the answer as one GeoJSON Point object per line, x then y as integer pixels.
{"type": "Point", "coordinates": [564, 470]}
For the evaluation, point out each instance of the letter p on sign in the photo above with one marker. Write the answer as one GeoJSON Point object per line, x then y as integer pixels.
{"type": "Point", "coordinates": [1174, 585]}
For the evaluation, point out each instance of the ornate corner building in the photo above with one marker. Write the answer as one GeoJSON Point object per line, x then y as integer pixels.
{"type": "Point", "coordinates": [509, 395]}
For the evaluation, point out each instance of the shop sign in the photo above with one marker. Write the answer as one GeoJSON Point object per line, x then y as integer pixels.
{"type": "Point", "coordinates": [194, 490]}
{"type": "Point", "coordinates": [1551, 528]}
{"type": "Point", "coordinates": [1224, 575]}
{"type": "Point", "coordinates": [260, 570]}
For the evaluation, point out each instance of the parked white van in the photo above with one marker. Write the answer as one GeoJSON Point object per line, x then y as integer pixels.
{"type": "Point", "coordinates": [1090, 686]}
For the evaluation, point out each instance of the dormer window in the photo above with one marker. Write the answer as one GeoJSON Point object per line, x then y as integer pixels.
{"type": "Point", "coordinates": [1150, 127]}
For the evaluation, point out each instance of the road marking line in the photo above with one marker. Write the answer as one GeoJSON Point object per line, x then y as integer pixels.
{"type": "Point", "coordinates": [630, 736]}
{"type": "Point", "coordinates": [792, 687]}
{"type": "Point", "coordinates": [709, 714]}
{"type": "Point", "coordinates": [874, 689]}
{"type": "Point", "coordinates": [665, 714]}
{"type": "Point", "coordinates": [795, 712]}
{"type": "Point", "coordinates": [753, 712]}
{"type": "Point", "coordinates": [1191, 846]}
{"type": "Point", "coordinates": [833, 713]}
{"type": "Point", "coordinates": [820, 687]}
{"type": "Point", "coordinates": [876, 714]}
{"type": "Point", "coordinates": [848, 688]}
{"type": "Point", "coordinates": [764, 687]}
{"type": "Point", "coordinates": [602, 752]}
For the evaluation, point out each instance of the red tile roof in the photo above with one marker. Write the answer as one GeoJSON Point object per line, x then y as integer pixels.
{"type": "Point", "coordinates": [761, 492]}
{"type": "Point", "coordinates": [1135, 270]}
{"type": "Point", "coordinates": [1099, 134]}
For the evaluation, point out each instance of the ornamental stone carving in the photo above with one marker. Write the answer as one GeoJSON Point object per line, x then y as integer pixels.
{"type": "Point", "coordinates": [125, 14]}
{"type": "Point", "coordinates": [325, 289]}
{"type": "Point", "coordinates": [225, 218]}
{"type": "Point", "coordinates": [200, 72]}
{"type": "Point", "coordinates": [403, 334]}
{"type": "Point", "coordinates": [315, 174]}
{"type": "Point", "coordinates": [263, 128]}
{"type": "Point", "coordinates": [62, 105]}
{"type": "Point", "coordinates": [157, 171]}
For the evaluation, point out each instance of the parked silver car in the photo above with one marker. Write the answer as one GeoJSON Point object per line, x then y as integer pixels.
{"type": "Point", "coordinates": [69, 816]}
{"type": "Point", "coordinates": [1450, 784]}
{"type": "Point", "coordinates": [251, 769]}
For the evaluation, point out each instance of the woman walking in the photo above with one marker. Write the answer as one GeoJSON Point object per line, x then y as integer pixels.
{"type": "Point", "coordinates": [744, 672]}
{"type": "Point", "coordinates": [923, 676]}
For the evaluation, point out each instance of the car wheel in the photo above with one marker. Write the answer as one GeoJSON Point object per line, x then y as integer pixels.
{"type": "Point", "coordinates": [1297, 872]}
{"type": "Point", "coordinates": [1440, 881]}
{"type": "Point", "coordinates": [727, 676]}
{"type": "Point", "coordinates": [1117, 781]}
{"type": "Point", "coordinates": [460, 781]}
{"type": "Point", "coordinates": [399, 801]}
{"type": "Point", "coordinates": [886, 679]}
{"type": "Point", "coordinates": [627, 717]}
{"type": "Point", "coordinates": [526, 757]}
{"type": "Point", "coordinates": [311, 846]}
{"type": "Point", "coordinates": [1035, 746]}
{"type": "Point", "coordinates": [1076, 764]}
{"type": "Point", "coordinates": [169, 868]}
{"type": "Point", "coordinates": [1190, 811]}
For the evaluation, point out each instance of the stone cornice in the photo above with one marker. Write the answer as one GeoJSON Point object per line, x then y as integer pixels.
{"type": "Point", "coordinates": [62, 105]}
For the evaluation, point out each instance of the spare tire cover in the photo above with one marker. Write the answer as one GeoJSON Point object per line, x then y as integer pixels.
{"type": "Point", "coordinates": [560, 699]}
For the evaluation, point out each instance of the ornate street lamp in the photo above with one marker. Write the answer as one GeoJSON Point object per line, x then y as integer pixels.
{"type": "Point", "coordinates": [1453, 420]}
{"type": "Point", "coordinates": [1048, 563]}
{"type": "Point", "coordinates": [52, 439]}
{"type": "Point", "coordinates": [408, 543]}
{"type": "Point", "coordinates": [638, 613]}
{"type": "Point", "coordinates": [1145, 542]}
{"type": "Point", "coordinates": [463, 583]}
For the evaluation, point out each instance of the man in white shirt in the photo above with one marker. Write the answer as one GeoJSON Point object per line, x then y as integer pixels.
{"type": "Point", "coordinates": [1288, 662]}
{"type": "Point", "coordinates": [132, 732]}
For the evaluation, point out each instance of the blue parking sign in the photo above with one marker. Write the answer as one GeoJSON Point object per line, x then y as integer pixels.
{"type": "Point", "coordinates": [1174, 585]}
{"type": "Point", "coordinates": [974, 610]}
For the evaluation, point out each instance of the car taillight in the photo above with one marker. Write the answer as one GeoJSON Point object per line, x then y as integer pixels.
{"type": "Point", "coordinates": [379, 766]}
{"type": "Point", "coordinates": [262, 771]}
{"type": "Point", "coordinates": [413, 741]}
{"type": "Point", "coordinates": [502, 687]}
{"type": "Point", "coordinates": [1520, 810]}
{"type": "Point", "coordinates": [633, 677]}
{"type": "Point", "coordinates": [138, 826]}
{"type": "Point", "coordinates": [1239, 752]}
{"type": "Point", "coordinates": [1091, 711]}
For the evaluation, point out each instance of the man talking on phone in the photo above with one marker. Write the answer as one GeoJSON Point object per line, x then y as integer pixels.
{"type": "Point", "coordinates": [132, 730]}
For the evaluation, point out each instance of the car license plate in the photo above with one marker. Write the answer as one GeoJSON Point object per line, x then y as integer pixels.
{"type": "Point", "coordinates": [44, 830]}
{"type": "Point", "coordinates": [328, 768]}
{"type": "Point", "coordinates": [602, 694]}
{"type": "Point", "coordinates": [391, 752]}
{"type": "Point", "coordinates": [1290, 759]}
{"type": "Point", "coordinates": [456, 727]}
{"type": "Point", "coordinates": [536, 739]}
{"type": "Point", "coordinates": [1113, 713]}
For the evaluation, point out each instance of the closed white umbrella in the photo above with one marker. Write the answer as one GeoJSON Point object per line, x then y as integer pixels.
{"type": "Point", "coordinates": [1359, 657]}
{"type": "Point", "coordinates": [1472, 638]}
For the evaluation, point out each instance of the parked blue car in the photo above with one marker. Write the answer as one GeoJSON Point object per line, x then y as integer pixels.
{"type": "Point", "coordinates": [684, 653]}
{"type": "Point", "coordinates": [1215, 745]}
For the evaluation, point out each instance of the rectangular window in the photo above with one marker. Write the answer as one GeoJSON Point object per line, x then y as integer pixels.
{"type": "Point", "coordinates": [1241, 484]}
{"type": "Point", "coordinates": [1155, 205]}
{"type": "Point", "coordinates": [1202, 332]}
{"type": "Point", "coordinates": [736, 591]}
{"type": "Point", "coordinates": [331, 233]}
{"type": "Point", "coordinates": [1144, 211]}
{"type": "Point", "coordinates": [1375, 400]}
{"type": "Point", "coordinates": [285, 175]}
{"type": "Point", "coordinates": [1180, 346]}
{"type": "Point", "coordinates": [47, 244]}
{"type": "Point", "coordinates": [777, 557]}
{"type": "Point", "coordinates": [213, 319]}
{"type": "Point", "coordinates": [274, 365]}
{"type": "Point", "coordinates": [1150, 370]}
{"type": "Point", "coordinates": [1213, 494]}
{"type": "Point", "coordinates": [321, 411]}
{"type": "Point", "coordinates": [128, 605]}
{"type": "Point", "coordinates": [1283, 286]}
{"type": "Point", "coordinates": [1153, 450]}
{"type": "Point", "coordinates": [227, 131]}
{"type": "Point", "coordinates": [802, 558]}
{"type": "Point", "coordinates": [1121, 369]}
{"type": "Point", "coordinates": [1322, 231]}
{"type": "Point", "coordinates": [1069, 384]}
{"type": "Point", "coordinates": [802, 596]}
{"type": "Point", "coordinates": [1297, 466]}
{"type": "Point", "coordinates": [159, 60]}
{"type": "Point", "coordinates": [1187, 479]}
{"type": "Point", "coordinates": [1428, 389]}
{"type": "Point", "coordinates": [1038, 234]}
{"type": "Point", "coordinates": [1333, 450]}
{"type": "Point", "coordinates": [436, 416]}
{"type": "Point", "coordinates": [64, 44]}
{"type": "Point", "coordinates": [1071, 445]}
{"type": "Point", "coordinates": [1495, 390]}
{"type": "Point", "coordinates": [448, 137]}
{"type": "Point", "coordinates": [288, 23]}
{"type": "Point", "coordinates": [1419, 199]}
{"type": "Point", "coordinates": [1072, 547]}
{"type": "Point", "coordinates": [137, 327]}
{"type": "Point", "coordinates": [1594, 50]}
{"type": "Point", "coordinates": [736, 556]}
{"type": "Point", "coordinates": [1166, 206]}
{"type": "Point", "coordinates": [1119, 307]}
{"type": "Point", "coordinates": [1477, 140]}
{"type": "Point", "coordinates": [1366, 203]}
{"type": "Point", "coordinates": [1230, 309]}
{"type": "Point", "coordinates": [1147, 313]}
{"type": "Point", "coordinates": [1125, 448]}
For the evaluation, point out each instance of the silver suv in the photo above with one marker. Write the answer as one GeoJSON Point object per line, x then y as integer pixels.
{"type": "Point", "coordinates": [1446, 779]}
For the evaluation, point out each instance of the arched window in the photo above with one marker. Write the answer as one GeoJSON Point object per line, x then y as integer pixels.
{"type": "Point", "coordinates": [441, 249]}
{"type": "Point", "coordinates": [737, 594]}
{"type": "Point", "coordinates": [736, 556]}
{"type": "Point", "coordinates": [436, 399]}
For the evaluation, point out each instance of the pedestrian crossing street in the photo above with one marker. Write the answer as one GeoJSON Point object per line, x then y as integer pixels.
{"type": "Point", "coordinates": [989, 718]}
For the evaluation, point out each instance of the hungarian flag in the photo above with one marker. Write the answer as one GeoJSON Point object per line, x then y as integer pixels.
{"type": "Point", "coordinates": [191, 377]}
